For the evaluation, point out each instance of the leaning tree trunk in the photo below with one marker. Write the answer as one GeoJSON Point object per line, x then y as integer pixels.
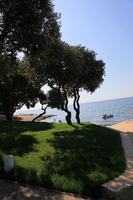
{"type": "Point", "coordinates": [68, 116]}
{"type": "Point", "coordinates": [44, 112]}
{"type": "Point", "coordinates": [76, 105]}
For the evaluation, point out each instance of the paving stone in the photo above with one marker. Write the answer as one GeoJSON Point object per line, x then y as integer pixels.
{"type": "Point", "coordinates": [13, 191]}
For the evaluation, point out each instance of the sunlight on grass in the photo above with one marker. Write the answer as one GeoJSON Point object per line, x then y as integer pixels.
{"type": "Point", "coordinates": [74, 159]}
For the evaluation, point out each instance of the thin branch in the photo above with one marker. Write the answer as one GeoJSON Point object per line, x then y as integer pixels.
{"type": "Point", "coordinates": [44, 112]}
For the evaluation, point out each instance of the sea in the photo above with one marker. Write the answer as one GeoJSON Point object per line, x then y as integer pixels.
{"type": "Point", "coordinates": [121, 109]}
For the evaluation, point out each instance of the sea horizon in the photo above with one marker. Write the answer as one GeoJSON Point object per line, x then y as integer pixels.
{"type": "Point", "coordinates": [120, 108]}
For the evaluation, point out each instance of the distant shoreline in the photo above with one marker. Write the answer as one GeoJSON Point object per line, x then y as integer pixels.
{"type": "Point", "coordinates": [28, 117]}
{"type": "Point", "coordinates": [124, 126]}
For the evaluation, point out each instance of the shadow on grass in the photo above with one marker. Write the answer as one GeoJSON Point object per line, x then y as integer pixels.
{"type": "Point", "coordinates": [85, 158]}
{"type": "Point", "coordinates": [19, 127]}
{"type": "Point", "coordinates": [32, 176]}
{"type": "Point", "coordinates": [12, 139]}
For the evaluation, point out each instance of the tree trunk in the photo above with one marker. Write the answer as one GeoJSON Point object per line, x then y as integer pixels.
{"type": "Point", "coordinates": [76, 105]}
{"type": "Point", "coordinates": [44, 112]}
{"type": "Point", "coordinates": [78, 116]}
{"type": "Point", "coordinates": [78, 108]}
{"type": "Point", "coordinates": [68, 116]}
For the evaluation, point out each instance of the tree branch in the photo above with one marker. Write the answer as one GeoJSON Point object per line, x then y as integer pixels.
{"type": "Point", "coordinates": [44, 111]}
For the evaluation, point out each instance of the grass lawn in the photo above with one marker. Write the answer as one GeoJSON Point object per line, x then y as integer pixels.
{"type": "Point", "coordinates": [75, 159]}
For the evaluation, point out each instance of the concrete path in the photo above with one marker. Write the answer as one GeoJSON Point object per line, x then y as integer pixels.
{"type": "Point", "coordinates": [125, 179]}
{"type": "Point", "coordinates": [125, 126]}
{"type": "Point", "coordinates": [12, 191]}
{"type": "Point", "coordinates": [121, 188]}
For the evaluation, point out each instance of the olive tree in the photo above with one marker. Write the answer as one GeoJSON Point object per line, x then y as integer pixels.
{"type": "Point", "coordinates": [89, 76]}
{"type": "Point", "coordinates": [16, 89]}
{"type": "Point", "coordinates": [25, 25]}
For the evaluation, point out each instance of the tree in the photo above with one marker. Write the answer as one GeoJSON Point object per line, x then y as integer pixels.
{"type": "Point", "coordinates": [53, 99]}
{"type": "Point", "coordinates": [89, 78]}
{"type": "Point", "coordinates": [60, 72]}
{"type": "Point", "coordinates": [15, 88]}
{"type": "Point", "coordinates": [73, 69]}
{"type": "Point", "coordinates": [70, 70]}
{"type": "Point", "coordinates": [25, 25]}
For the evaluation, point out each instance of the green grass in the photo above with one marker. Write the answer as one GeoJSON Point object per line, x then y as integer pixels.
{"type": "Point", "coordinates": [75, 159]}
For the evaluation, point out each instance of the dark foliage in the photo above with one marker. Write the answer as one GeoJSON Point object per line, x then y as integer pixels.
{"type": "Point", "coordinates": [24, 24]}
{"type": "Point", "coordinates": [16, 89]}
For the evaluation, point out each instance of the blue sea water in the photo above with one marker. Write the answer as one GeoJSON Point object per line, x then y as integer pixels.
{"type": "Point", "coordinates": [93, 111]}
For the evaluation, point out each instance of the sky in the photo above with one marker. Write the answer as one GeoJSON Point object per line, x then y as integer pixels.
{"type": "Point", "coordinates": [107, 28]}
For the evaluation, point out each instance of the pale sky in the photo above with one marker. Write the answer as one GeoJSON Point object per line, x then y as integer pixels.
{"type": "Point", "coordinates": [107, 28]}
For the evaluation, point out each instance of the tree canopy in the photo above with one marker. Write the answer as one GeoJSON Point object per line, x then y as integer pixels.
{"type": "Point", "coordinates": [61, 72]}
{"type": "Point", "coordinates": [71, 70]}
{"type": "Point", "coordinates": [16, 89]}
{"type": "Point", "coordinates": [24, 25]}
{"type": "Point", "coordinates": [32, 28]}
{"type": "Point", "coordinates": [88, 77]}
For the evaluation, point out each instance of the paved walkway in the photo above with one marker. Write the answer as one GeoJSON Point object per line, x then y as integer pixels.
{"type": "Point", "coordinates": [125, 179]}
{"type": "Point", "coordinates": [13, 191]}
{"type": "Point", "coordinates": [122, 186]}
{"type": "Point", "coordinates": [125, 126]}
